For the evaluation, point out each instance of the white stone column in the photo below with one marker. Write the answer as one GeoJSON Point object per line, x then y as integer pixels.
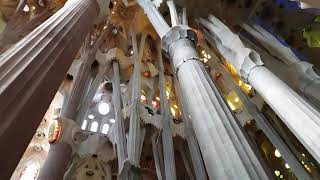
{"type": "Point", "coordinates": [167, 141]}
{"type": "Point", "coordinates": [225, 150]}
{"type": "Point", "coordinates": [173, 13]}
{"type": "Point", "coordinates": [31, 72]}
{"type": "Point", "coordinates": [134, 126]}
{"type": "Point", "coordinates": [299, 74]}
{"type": "Point", "coordinates": [289, 157]}
{"type": "Point", "coordinates": [120, 131]}
{"type": "Point", "coordinates": [300, 117]}
{"type": "Point", "coordinates": [196, 158]}
{"type": "Point", "coordinates": [85, 104]}
{"type": "Point", "coordinates": [156, 156]}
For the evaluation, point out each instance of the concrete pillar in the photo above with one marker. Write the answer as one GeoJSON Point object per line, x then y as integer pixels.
{"type": "Point", "coordinates": [196, 157]}
{"type": "Point", "coordinates": [289, 157]}
{"type": "Point", "coordinates": [31, 72]}
{"type": "Point", "coordinates": [167, 141]}
{"type": "Point", "coordinates": [299, 116]}
{"type": "Point", "coordinates": [225, 149]}
{"type": "Point", "coordinates": [120, 131]}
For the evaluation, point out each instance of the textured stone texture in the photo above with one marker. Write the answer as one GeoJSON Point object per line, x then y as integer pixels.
{"type": "Point", "coordinates": [31, 73]}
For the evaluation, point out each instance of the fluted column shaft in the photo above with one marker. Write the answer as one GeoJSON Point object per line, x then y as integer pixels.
{"type": "Point", "coordinates": [196, 158]}
{"type": "Point", "coordinates": [225, 150]}
{"type": "Point", "coordinates": [299, 116]}
{"type": "Point", "coordinates": [84, 106]}
{"type": "Point", "coordinates": [120, 131]}
{"type": "Point", "coordinates": [156, 157]}
{"type": "Point", "coordinates": [264, 125]}
{"type": "Point", "coordinates": [167, 141]}
{"type": "Point", "coordinates": [71, 107]}
{"type": "Point", "coordinates": [31, 72]}
{"type": "Point", "coordinates": [134, 126]}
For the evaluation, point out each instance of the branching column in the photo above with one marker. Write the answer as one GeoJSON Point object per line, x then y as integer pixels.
{"type": "Point", "coordinates": [134, 127]}
{"type": "Point", "coordinates": [264, 125]}
{"type": "Point", "coordinates": [31, 72]}
{"type": "Point", "coordinates": [120, 131]}
{"type": "Point", "coordinates": [225, 149]}
{"type": "Point", "coordinates": [196, 158]}
{"type": "Point", "coordinates": [299, 116]}
{"type": "Point", "coordinates": [167, 141]}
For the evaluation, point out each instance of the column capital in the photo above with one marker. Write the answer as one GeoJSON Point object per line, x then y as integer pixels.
{"type": "Point", "coordinates": [176, 33]}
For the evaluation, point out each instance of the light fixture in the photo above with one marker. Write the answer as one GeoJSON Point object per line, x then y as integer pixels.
{"type": "Point", "coordinates": [112, 120]}
{"type": "Point", "coordinates": [203, 52]}
{"type": "Point", "coordinates": [103, 108]}
{"type": "Point", "coordinates": [157, 98]}
{"type": "Point", "coordinates": [287, 166]}
{"type": "Point", "coordinates": [209, 56]}
{"type": "Point", "coordinates": [205, 60]}
{"type": "Point", "coordinates": [105, 27]}
{"type": "Point", "coordinates": [84, 125]}
{"type": "Point", "coordinates": [303, 155]}
{"type": "Point", "coordinates": [91, 116]}
{"type": "Point", "coordinates": [131, 52]}
{"type": "Point", "coordinates": [277, 172]}
{"type": "Point", "coordinates": [302, 162]}
{"type": "Point", "coordinates": [175, 106]}
{"type": "Point", "coordinates": [115, 2]}
{"type": "Point", "coordinates": [277, 153]}
{"type": "Point", "coordinates": [112, 12]}
{"type": "Point", "coordinates": [236, 100]}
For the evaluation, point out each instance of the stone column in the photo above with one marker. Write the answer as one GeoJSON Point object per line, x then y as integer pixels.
{"type": "Point", "coordinates": [84, 106]}
{"type": "Point", "coordinates": [31, 72]}
{"type": "Point", "coordinates": [299, 116]}
{"type": "Point", "coordinates": [156, 156]}
{"type": "Point", "coordinates": [167, 141]}
{"type": "Point", "coordinates": [80, 87]}
{"type": "Point", "coordinates": [120, 131]}
{"type": "Point", "coordinates": [299, 74]}
{"type": "Point", "coordinates": [134, 126]}
{"type": "Point", "coordinates": [196, 158]}
{"type": "Point", "coordinates": [186, 163]}
{"type": "Point", "coordinates": [225, 149]}
{"type": "Point", "coordinates": [264, 125]}
{"type": "Point", "coordinates": [59, 156]}
{"type": "Point", "coordinates": [173, 13]}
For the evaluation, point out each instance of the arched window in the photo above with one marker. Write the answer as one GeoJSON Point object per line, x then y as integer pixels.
{"type": "Point", "coordinates": [84, 125]}
{"type": "Point", "coordinates": [30, 172]}
{"type": "Point", "coordinates": [105, 128]}
{"type": "Point", "coordinates": [94, 126]}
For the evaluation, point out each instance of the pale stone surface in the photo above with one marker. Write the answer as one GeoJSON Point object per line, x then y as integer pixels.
{"type": "Point", "coordinates": [29, 77]}
{"type": "Point", "coordinates": [299, 116]}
